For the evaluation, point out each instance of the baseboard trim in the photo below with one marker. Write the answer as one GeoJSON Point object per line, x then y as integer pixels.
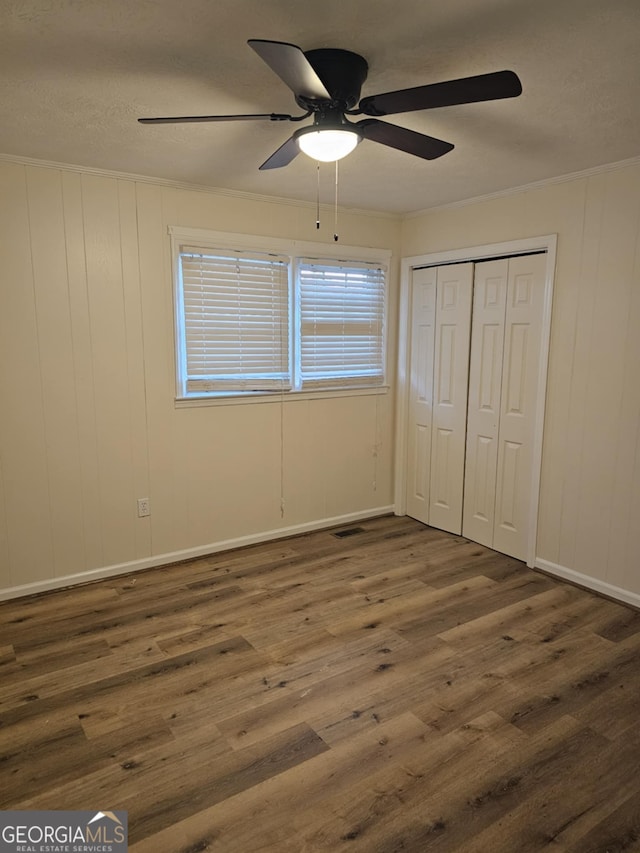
{"type": "Point", "coordinates": [590, 583]}
{"type": "Point", "coordinates": [188, 553]}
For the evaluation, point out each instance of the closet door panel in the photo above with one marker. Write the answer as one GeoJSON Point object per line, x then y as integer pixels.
{"type": "Point", "coordinates": [525, 293]}
{"type": "Point", "coordinates": [423, 313]}
{"type": "Point", "coordinates": [485, 384]}
{"type": "Point", "coordinates": [451, 375]}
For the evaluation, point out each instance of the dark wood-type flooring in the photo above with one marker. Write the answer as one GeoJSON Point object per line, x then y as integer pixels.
{"type": "Point", "coordinates": [399, 689]}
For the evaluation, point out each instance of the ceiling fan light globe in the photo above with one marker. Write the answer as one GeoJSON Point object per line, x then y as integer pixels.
{"type": "Point", "coordinates": [328, 145]}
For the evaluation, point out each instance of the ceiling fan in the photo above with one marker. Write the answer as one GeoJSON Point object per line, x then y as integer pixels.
{"type": "Point", "coordinates": [326, 83]}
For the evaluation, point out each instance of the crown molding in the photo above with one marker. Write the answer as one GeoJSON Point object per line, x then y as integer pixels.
{"type": "Point", "coordinates": [536, 185]}
{"type": "Point", "coordinates": [222, 192]}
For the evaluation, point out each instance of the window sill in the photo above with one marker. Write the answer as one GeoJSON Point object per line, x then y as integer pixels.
{"type": "Point", "coordinates": [252, 397]}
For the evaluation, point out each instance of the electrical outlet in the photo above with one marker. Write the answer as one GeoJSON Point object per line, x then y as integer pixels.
{"type": "Point", "coordinates": [143, 507]}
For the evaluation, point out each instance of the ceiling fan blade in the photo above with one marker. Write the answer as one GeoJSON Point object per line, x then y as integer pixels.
{"type": "Point", "coordinates": [467, 90]}
{"type": "Point", "coordinates": [253, 117]}
{"type": "Point", "coordinates": [283, 156]}
{"type": "Point", "coordinates": [291, 66]}
{"type": "Point", "coordinates": [403, 139]}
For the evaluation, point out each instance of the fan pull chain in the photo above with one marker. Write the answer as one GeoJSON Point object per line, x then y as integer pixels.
{"type": "Point", "coordinates": [318, 198]}
{"type": "Point", "coordinates": [335, 214]}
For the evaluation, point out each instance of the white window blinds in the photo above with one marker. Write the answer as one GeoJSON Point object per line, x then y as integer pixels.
{"type": "Point", "coordinates": [235, 309]}
{"type": "Point", "coordinates": [341, 307]}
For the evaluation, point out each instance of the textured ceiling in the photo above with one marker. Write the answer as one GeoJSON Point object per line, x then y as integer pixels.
{"type": "Point", "coordinates": [75, 75]}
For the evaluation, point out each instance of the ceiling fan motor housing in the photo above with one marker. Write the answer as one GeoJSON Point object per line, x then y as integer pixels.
{"type": "Point", "coordinates": [342, 73]}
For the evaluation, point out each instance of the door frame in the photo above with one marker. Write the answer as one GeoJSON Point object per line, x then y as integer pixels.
{"type": "Point", "coordinates": [546, 243]}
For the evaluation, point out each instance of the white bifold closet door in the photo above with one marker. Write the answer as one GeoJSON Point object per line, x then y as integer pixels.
{"type": "Point", "coordinates": [420, 416]}
{"type": "Point", "coordinates": [475, 347]}
{"type": "Point", "coordinates": [485, 392]}
{"type": "Point", "coordinates": [503, 385]}
{"type": "Point", "coordinates": [440, 335]}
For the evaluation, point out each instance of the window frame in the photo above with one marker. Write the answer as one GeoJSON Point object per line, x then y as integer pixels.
{"type": "Point", "coordinates": [296, 251]}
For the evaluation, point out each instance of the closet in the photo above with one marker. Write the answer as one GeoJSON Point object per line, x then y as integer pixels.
{"type": "Point", "coordinates": [475, 337]}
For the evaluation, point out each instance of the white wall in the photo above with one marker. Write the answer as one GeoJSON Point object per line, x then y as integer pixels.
{"type": "Point", "coordinates": [590, 501]}
{"type": "Point", "coordinates": [88, 422]}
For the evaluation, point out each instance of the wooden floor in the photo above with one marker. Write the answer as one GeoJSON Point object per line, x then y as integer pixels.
{"type": "Point", "coordinates": [397, 689]}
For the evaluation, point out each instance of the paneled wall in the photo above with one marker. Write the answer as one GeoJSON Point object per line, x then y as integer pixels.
{"type": "Point", "coordinates": [88, 422]}
{"type": "Point", "coordinates": [87, 417]}
{"type": "Point", "coordinates": [589, 513]}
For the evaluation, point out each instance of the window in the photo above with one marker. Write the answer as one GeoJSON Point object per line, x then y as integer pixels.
{"type": "Point", "coordinates": [235, 315]}
{"type": "Point", "coordinates": [341, 308]}
{"type": "Point", "coordinates": [254, 321]}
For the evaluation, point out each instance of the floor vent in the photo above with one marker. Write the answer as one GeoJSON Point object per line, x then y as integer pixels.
{"type": "Point", "coordinates": [350, 531]}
